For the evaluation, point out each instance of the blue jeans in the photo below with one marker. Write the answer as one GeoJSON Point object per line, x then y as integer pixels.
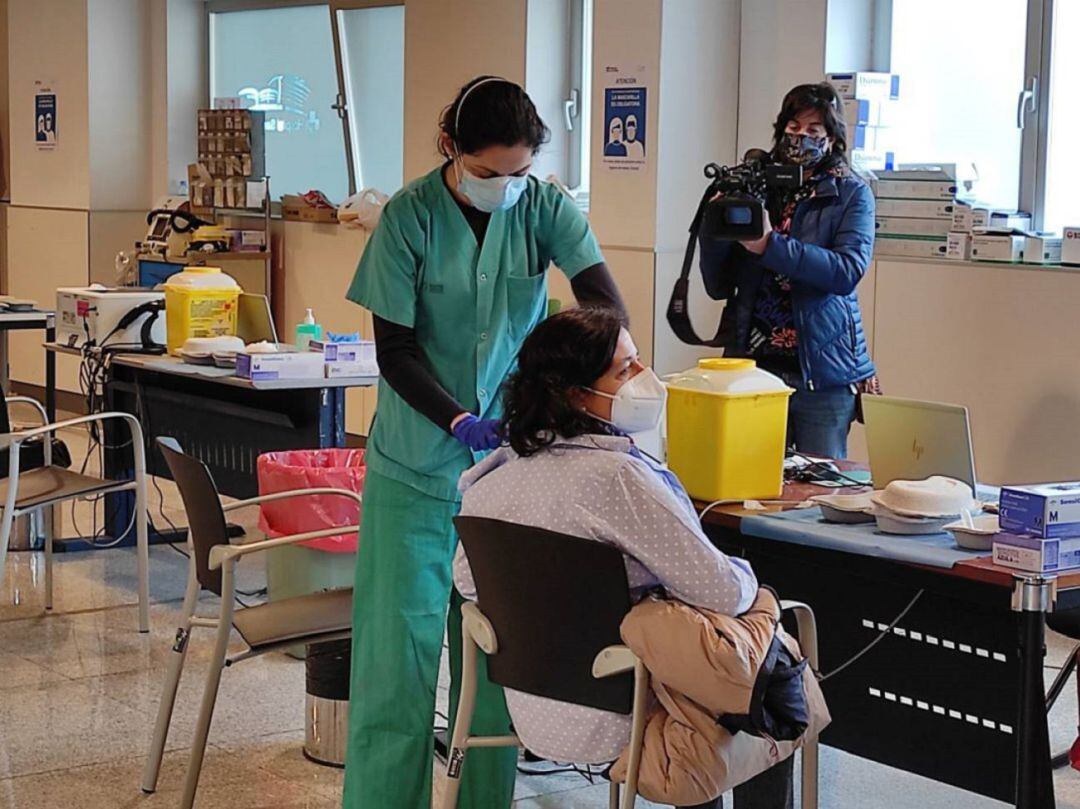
{"type": "Point", "coordinates": [819, 420]}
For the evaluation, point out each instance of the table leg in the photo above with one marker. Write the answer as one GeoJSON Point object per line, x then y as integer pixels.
{"type": "Point", "coordinates": [50, 370]}
{"type": "Point", "coordinates": [1033, 597]}
{"type": "Point", "coordinates": [4, 381]}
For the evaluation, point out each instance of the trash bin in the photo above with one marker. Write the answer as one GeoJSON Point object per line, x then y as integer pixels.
{"type": "Point", "coordinates": [319, 564]}
{"type": "Point", "coordinates": [326, 729]}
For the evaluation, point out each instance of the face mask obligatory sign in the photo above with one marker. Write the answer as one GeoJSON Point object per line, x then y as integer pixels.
{"type": "Point", "coordinates": [625, 143]}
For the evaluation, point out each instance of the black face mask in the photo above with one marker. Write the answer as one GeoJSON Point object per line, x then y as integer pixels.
{"type": "Point", "coordinates": [801, 150]}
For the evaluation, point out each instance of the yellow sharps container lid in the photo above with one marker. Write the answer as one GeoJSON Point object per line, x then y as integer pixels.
{"type": "Point", "coordinates": [726, 364]}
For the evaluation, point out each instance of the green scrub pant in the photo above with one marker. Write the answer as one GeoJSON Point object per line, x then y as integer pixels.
{"type": "Point", "coordinates": [403, 586]}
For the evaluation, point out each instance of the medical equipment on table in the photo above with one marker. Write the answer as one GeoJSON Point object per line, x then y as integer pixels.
{"type": "Point", "coordinates": [103, 317]}
{"type": "Point", "coordinates": [726, 430]}
{"type": "Point", "coordinates": [200, 302]}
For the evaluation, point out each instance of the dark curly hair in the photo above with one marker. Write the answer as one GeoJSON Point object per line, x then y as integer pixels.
{"type": "Point", "coordinates": [568, 351]}
{"type": "Point", "coordinates": [496, 113]}
{"type": "Point", "coordinates": [821, 98]}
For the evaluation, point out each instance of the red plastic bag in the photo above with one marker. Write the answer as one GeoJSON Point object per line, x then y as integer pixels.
{"type": "Point", "coordinates": [312, 469]}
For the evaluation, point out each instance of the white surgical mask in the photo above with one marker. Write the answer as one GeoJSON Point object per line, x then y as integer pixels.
{"type": "Point", "coordinates": [638, 404]}
{"type": "Point", "coordinates": [490, 194]}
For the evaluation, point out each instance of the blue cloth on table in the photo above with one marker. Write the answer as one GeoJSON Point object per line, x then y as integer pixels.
{"type": "Point", "coordinates": [807, 527]}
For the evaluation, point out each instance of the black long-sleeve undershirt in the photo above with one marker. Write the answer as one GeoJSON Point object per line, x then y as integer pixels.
{"type": "Point", "coordinates": [405, 368]}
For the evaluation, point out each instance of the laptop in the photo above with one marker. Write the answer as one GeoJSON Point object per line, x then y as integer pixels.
{"type": "Point", "coordinates": [254, 323]}
{"type": "Point", "coordinates": [912, 440]}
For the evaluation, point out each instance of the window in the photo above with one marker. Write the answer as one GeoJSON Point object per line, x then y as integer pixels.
{"type": "Point", "coordinates": [372, 42]}
{"type": "Point", "coordinates": [281, 60]}
{"type": "Point", "coordinates": [579, 106]}
{"type": "Point", "coordinates": [1061, 206]}
{"type": "Point", "coordinates": [984, 84]}
{"type": "Point", "coordinates": [975, 128]}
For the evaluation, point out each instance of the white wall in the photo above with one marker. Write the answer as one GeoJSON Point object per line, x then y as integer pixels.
{"type": "Point", "coordinates": [448, 42]}
{"type": "Point", "coordinates": [47, 41]}
{"type": "Point", "coordinates": [119, 70]}
{"type": "Point", "coordinates": [782, 45]}
{"type": "Point", "coordinates": [849, 43]}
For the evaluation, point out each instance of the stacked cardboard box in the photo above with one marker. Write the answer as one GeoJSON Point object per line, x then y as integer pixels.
{"type": "Point", "coordinates": [916, 206]}
{"type": "Point", "coordinates": [869, 110]}
{"type": "Point", "coordinates": [989, 235]}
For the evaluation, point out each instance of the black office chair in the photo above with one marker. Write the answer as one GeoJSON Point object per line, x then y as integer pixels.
{"type": "Point", "coordinates": [1067, 623]}
{"type": "Point", "coordinates": [547, 616]}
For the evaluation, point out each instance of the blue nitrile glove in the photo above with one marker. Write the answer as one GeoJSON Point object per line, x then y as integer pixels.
{"type": "Point", "coordinates": [478, 434]}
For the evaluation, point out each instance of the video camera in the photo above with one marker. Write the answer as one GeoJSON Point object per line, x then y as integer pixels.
{"type": "Point", "coordinates": [735, 199]}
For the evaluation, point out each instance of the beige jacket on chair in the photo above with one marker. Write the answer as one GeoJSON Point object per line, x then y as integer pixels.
{"type": "Point", "coordinates": [704, 665]}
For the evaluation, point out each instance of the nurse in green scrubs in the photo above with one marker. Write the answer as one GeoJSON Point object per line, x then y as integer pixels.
{"type": "Point", "coordinates": [455, 277]}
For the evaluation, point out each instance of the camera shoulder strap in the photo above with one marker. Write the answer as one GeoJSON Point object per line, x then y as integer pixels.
{"type": "Point", "coordinates": [678, 314]}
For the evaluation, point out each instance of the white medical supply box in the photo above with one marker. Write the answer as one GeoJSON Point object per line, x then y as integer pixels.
{"type": "Point", "coordinates": [1004, 247]}
{"type": "Point", "coordinates": [958, 246]}
{"type": "Point", "coordinates": [1047, 510]}
{"type": "Point", "coordinates": [1042, 248]}
{"type": "Point", "coordinates": [916, 208]}
{"type": "Point", "coordinates": [1070, 246]}
{"type": "Point", "coordinates": [281, 365]}
{"type": "Point", "coordinates": [909, 247]}
{"type": "Point", "coordinates": [905, 226]}
{"type": "Point", "coordinates": [866, 85]}
{"type": "Point", "coordinates": [1036, 555]}
{"type": "Point", "coordinates": [916, 189]}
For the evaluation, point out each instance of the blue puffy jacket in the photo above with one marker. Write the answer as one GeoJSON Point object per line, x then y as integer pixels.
{"type": "Point", "coordinates": [826, 255]}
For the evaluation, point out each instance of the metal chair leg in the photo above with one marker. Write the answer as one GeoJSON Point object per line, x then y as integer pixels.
{"type": "Point", "coordinates": [637, 733]}
{"type": "Point", "coordinates": [142, 551]}
{"type": "Point", "coordinates": [455, 759]}
{"type": "Point", "coordinates": [613, 796]}
{"type": "Point", "coordinates": [48, 559]}
{"type": "Point", "coordinates": [1062, 679]}
{"type": "Point", "coordinates": [213, 680]}
{"type": "Point", "coordinates": [152, 767]}
{"type": "Point", "coordinates": [807, 628]}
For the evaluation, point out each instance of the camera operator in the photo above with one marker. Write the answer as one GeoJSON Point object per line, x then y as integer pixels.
{"type": "Point", "coordinates": [791, 294]}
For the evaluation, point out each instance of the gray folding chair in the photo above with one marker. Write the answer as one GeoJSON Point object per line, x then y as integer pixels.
{"type": "Point", "coordinates": [547, 616]}
{"type": "Point", "coordinates": [26, 491]}
{"type": "Point", "coordinates": [277, 625]}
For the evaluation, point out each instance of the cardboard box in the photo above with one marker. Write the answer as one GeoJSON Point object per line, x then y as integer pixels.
{"type": "Point", "coordinates": [967, 218]}
{"type": "Point", "coordinates": [907, 247]}
{"type": "Point", "coordinates": [284, 365]}
{"type": "Point", "coordinates": [296, 209]}
{"type": "Point", "coordinates": [866, 85]}
{"type": "Point", "coordinates": [958, 246]}
{"type": "Point", "coordinates": [1042, 248]}
{"type": "Point", "coordinates": [870, 112]}
{"type": "Point", "coordinates": [916, 189]}
{"type": "Point", "coordinates": [904, 226]}
{"type": "Point", "coordinates": [344, 368]}
{"type": "Point", "coordinates": [1070, 246]}
{"type": "Point", "coordinates": [362, 351]}
{"type": "Point", "coordinates": [870, 138]}
{"type": "Point", "coordinates": [864, 160]}
{"type": "Point", "coordinates": [1046, 510]}
{"type": "Point", "coordinates": [1036, 555]}
{"type": "Point", "coordinates": [1005, 247]}
{"type": "Point", "coordinates": [916, 208]}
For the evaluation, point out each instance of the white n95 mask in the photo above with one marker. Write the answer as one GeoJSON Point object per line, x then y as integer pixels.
{"type": "Point", "coordinates": [638, 404]}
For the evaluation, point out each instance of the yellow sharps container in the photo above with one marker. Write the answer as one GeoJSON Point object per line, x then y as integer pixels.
{"type": "Point", "coordinates": [199, 302]}
{"type": "Point", "coordinates": [727, 429]}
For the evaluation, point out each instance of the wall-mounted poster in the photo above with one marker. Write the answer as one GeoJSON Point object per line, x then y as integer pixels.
{"type": "Point", "coordinates": [45, 119]}
{"type": "Point", "coordinates": [625, 144]}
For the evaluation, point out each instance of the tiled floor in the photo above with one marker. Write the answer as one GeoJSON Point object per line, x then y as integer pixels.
{"type": "Point", "coordinates": [79, 688]}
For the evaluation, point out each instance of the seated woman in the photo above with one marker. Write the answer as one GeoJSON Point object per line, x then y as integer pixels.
{"type": "Point", "coordinates": [571, 468]}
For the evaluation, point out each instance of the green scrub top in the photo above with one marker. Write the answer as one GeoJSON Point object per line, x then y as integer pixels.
{"type": "Point", "coordinates": [471, 309]}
